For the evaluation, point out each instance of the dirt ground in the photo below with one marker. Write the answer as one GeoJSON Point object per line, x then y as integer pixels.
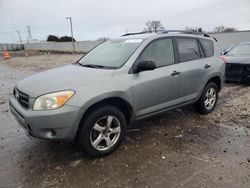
{"type": "Point", "coordinates": [178, 149]}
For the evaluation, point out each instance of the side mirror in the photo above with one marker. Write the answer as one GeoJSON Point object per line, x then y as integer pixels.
{"type": "Point", "coordinates": [223, 53]}
{"type": "Point", "coordinates": [145, 66]}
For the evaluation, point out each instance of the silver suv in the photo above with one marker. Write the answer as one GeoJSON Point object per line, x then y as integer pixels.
{"type": "Point", "coordinates": [121, 80]}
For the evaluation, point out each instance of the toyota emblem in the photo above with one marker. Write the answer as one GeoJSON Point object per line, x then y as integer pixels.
{"type": "Point", "coordinates": [17, 96]}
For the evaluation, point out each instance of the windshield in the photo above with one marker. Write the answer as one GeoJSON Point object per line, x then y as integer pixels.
{"type": "Point", "coordinates": [111, 54]}
{"type": "Point", "coordinates": [242, 49]}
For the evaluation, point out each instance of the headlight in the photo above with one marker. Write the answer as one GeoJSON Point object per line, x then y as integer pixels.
{"type": "Point", "coordinates": [52, 100]}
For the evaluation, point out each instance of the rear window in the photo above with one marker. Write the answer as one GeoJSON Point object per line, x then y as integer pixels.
{"type": "Point", "coordinates": [188, 49]}
{"type": "Point", "coordinates": [208, 47]}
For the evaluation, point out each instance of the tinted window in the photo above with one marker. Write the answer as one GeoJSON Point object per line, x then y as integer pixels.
{"type": "Point", "coordinates": [208, 47]}
{"type": "Point", "coordinates": [160, 51]}
{"type": "Point", "coordinates": [188, 49]}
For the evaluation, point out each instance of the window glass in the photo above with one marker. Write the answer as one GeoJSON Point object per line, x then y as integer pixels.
{"type": "Point", "coordinates": [242, 49]}
{"type": "Point", "coordinates": [160, 51]}
{"type": "Point", "coordinates": [112, 53]}
{"type": "Point", "coordinates": [188, 49]}
{"type": "Point", "coordinates": [208, 47]}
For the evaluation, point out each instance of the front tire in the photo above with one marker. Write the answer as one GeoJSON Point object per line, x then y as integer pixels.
{"type": "Point", "coordinates": [208, 99]}
{"type": "Point", "coordinates": [103, 131]}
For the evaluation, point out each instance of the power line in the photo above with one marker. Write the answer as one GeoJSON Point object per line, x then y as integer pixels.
{"type": "Point", "coordinates": [193, 11]}
{"type": "Point", "coordinates": [198, 9]}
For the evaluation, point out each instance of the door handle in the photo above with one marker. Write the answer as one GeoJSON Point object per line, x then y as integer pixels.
{"type": "Point", "coordinates": [175, 73]}
{"type": "Point", "coordinates": [207, 66]}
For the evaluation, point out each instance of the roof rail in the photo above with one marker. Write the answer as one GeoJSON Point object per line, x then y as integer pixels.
{"type": "Point", "coordinates": [170, 31]}
{"type": "Point", "coordinates": [181, 31]}
{"type": "Point", "coordinates": [142, 32]}
{"type": "Point", "coordinates": [188, 32]}
{"type": "Point", "coordinates": [138, 33]}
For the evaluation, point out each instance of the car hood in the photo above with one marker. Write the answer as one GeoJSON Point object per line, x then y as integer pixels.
{"type": "Point", "coordinates": [63, 78]}
{"type": "Point", "coordinates": [240, 59]}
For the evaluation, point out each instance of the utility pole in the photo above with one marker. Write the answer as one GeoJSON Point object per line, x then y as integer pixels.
{"type": "Point", "coordinates": [29, 38]}
{"type": "Point", "coordinates": [19, 36]}
{"type": "Point", "coordinates": [71, 28]}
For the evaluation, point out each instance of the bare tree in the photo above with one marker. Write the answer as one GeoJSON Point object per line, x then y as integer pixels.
{"type": "Point", "coordinates": [195, 29]}
{"type": "Point", "coordinates": [219, 29]}
{"type": "Point", "coordinates": [102, 39]}
{"type": "Point", "coordinates": [153, 26]}
{"type": "Point", "coordinates": [223, 29]}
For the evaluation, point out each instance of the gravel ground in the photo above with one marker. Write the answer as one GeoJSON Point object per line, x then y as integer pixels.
{"type": "Point", "coordinates": [178, 149]}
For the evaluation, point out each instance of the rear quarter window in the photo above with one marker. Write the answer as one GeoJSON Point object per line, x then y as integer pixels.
{"type": "Point", "coordinates": [188, 49]}
{"type": "Point", "coordinates": [208, 47]}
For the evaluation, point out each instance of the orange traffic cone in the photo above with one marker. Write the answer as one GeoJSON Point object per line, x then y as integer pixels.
{"type": "Point", "coordinates": [6, 54]}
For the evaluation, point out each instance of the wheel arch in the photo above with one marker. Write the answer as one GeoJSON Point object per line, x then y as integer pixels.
{"type": "Point", "coordinates": [118, 102]}
{"type": "Point", "coordinates": [217, 80]}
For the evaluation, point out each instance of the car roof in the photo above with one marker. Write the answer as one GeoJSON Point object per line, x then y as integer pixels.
{"type": "Point", "coordinates": [146, 35]}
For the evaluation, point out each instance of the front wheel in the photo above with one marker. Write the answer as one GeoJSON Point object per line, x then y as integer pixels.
{"type": "Point", "coordinates": [208, 99]}
{"type": "Point", "coordinates": [103, 131]}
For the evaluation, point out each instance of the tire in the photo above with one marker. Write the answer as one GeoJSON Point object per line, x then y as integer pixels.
{"type": "Point", "coordinates": [208, 99]}
{"type": "Point", "coordinates": [102, 131]}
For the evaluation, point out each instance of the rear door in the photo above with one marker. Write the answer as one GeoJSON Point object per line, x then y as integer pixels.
{"type": "Point", "coordinates": [157, 89]}
{"type": "Point", "coordinates": [193, 75]}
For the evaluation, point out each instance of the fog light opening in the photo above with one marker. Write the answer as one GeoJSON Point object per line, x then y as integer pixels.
{"type": "Point", "coordinates": [52, 133]}
{"type": "Point", "coordinates": [29, 128]}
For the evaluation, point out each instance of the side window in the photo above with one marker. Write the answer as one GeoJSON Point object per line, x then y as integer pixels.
{"type": "Point", "coordinates": [161, 51]}
{"type": "Point", "coordinates": [208, 47]}
{"type": "Point", "coordinates": [188, 49]}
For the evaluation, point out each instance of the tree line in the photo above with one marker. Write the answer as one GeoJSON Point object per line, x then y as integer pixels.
{"type": "Point", "coordinates": [153, 26]}
{"type": "Point", "coordinates": [53, 38]}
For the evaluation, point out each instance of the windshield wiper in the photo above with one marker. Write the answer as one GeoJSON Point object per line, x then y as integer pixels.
{"type": "Point", "coordinates": [95, 66]}
{"type": "Point", "coordinates": [91, 66]}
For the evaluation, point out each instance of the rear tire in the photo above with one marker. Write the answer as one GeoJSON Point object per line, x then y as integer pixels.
{"type": "Point", "coordinates": [208, 99]}
{"type": "Point", "coordinates": [102, 131]}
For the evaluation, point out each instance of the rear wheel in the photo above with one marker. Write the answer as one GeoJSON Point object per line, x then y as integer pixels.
{"type": "Point", "coordinates": [103, 131]}
{"type": "Point", "coordinates": [208, 99]}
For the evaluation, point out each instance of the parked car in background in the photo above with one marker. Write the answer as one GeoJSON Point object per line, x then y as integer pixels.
{"type": "Point", "coordinates": [238, 63]}
{"type": "Point", "coordinates": [121, 80]}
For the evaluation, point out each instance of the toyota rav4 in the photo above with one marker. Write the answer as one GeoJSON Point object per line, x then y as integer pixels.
{"type": "Point", "coordinates": [121, 80]}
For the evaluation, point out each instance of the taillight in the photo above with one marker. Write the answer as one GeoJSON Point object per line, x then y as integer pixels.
{"type": "Point", "coordinates": [223, 58]}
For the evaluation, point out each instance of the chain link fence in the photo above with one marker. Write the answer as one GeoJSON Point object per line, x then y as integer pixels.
{"type": "Point", "coordinates": [11, 47]}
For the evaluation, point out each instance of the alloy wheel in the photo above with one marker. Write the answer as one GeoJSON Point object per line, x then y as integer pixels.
{"type": "Point", "coordinates": [105, 133]}
{"type": "Point", "coordinates": [210, 98]}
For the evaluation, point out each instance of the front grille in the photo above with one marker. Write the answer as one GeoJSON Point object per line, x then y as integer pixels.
{"type": "Point", "coordinates": [237, 72]}
{"type": "Point", "coordinates": [22, 98]}
{"type": "Point", "coordinates": [234, 67]}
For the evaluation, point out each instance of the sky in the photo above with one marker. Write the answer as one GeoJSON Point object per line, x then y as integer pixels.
{"type": "Point", "coordinates": [93, 19]}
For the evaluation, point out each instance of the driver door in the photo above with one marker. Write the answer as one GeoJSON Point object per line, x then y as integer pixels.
{"type": "Point", "coordinates": [157, 89]}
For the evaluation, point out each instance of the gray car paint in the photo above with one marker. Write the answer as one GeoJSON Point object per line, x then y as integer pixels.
{"type": "Point", "coordinates": [238, 59]}
{"type": "Point", "coordinates": [147, 92]}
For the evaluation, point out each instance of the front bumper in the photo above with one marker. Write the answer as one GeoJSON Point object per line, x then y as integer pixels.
{"type": "Point", "coordinates": [237, 72]}
{"type": "Point", "coordinates": [60, 124]}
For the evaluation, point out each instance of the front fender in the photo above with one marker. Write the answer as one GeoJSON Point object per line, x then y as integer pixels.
{"type": "Point", "coordinates": [94, 100]}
